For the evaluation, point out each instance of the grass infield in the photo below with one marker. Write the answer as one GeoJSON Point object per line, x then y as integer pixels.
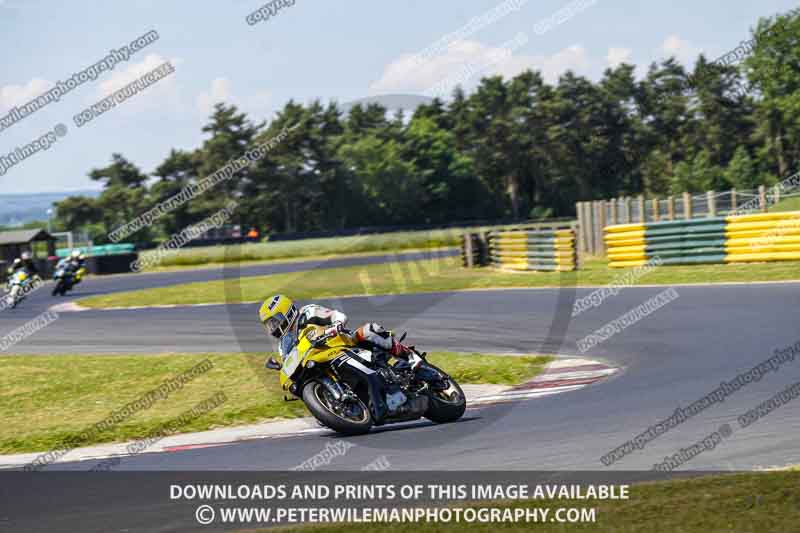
{"type": "Point", "coordinates": [49, 400]}
{"type": "Point", "coordinates": [439, 274]}
{"type": "Point", "coordinates": [310, 248]}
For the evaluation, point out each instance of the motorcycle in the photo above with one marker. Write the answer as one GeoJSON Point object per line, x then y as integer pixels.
{"type": "Point", "coordinates": [18, 287]}
{"type": "Point", "coordinates": [350, 389]}
{"type": "Point", "coordinates": [66, 277]}
{"type": "Point", "coordinates": [63, 278]}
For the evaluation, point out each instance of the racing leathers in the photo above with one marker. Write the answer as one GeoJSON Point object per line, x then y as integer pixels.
{"type": "Point", "coordinates": [76, 266]}
{"type": "Point", "coordinates": [370, 336]}
{"type": "Point", "coordinates": [26, 264]}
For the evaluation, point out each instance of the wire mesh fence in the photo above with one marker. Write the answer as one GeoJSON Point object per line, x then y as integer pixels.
{"type": "Point", "coordinates": [595, 215]}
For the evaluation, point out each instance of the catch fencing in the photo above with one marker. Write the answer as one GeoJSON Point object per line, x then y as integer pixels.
{"type": "Point", "coordinates": [731, 239]}
{"type": "Point", "coordinates": [595, 215]}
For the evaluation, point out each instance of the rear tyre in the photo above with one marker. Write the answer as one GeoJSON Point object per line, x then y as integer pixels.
{"type": "Point", "coordinates": [352, 418]}
{"type": "Point", "coordinates": [58, 288]}
{"type": "Point", "coordinates": [447, 405]}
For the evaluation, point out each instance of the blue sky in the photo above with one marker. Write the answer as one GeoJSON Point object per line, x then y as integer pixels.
{"type": "Point", "coordinates": [313, 49]}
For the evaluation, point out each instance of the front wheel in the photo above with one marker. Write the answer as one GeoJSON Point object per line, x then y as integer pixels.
{"type": "Point", "coordinates": [447, 403]}
{"type": "Point", "coordinates": [14, 297]}
{"type": "Point", "coordinates": [59, 288]}
{"type": "Point", "coordinates": [350, 417]}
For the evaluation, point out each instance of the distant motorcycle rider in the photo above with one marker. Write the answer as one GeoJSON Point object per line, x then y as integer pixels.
{"type": "Point", "coordinates": [281, 319]}
{"type": "Point", "coordinates": [75, 263]}
{"type": "Point", "coordinates": [23, 262]}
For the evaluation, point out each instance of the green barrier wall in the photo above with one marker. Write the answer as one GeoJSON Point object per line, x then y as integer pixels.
{"type": "Point", "coordinates": [732, 239]}
{"type": "Point", "coordinates": [103, 249]}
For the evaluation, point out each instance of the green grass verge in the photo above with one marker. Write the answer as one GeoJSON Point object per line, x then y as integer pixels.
{"type": "Point", "coordinates": [313, 248]}
{"type": "Point", "coordinates": [291, 259]}
{"type": "Point", "coordinates": [756, 502]}
{"type": "Point", "coordinates": [48, 399]}
{"type": "Point", "coordinates": [787, 204]}
{"type": "Point", "coordinates": [442, 274]}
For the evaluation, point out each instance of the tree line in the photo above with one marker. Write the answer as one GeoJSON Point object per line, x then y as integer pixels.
{"type": "Point", "coordinates": [516, 148]}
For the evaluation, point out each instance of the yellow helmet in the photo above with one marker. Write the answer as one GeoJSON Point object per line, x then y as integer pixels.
{"type": "Point", "coordinates": [277, 314]}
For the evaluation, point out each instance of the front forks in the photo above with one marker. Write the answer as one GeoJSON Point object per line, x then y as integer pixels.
{"type": "Point", "coordinates": [375, 390]}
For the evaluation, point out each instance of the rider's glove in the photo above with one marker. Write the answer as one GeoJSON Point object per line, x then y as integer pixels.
{"type": "Point", "coordinates": [403, 351]}
{"type": "Point", "coordinates": [398, 349]}
{"type": "Point", "coordinates": [335, 329]}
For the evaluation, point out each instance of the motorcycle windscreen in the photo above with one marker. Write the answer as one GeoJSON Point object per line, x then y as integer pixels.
{"type": "Point", "coordinates": [287, 349]}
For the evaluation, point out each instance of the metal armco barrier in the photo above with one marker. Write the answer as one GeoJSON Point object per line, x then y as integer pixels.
{"type": "Point", "coordinates": [733, 239]}
{"type": "Point", "coordinates": [545, 250]}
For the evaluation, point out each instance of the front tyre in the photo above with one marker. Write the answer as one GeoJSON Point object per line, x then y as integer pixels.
{"type": "Point", "coordinates": [349, 417]}
{"type": "Point", "coordinates": [59, 288]}
{"type": "Point", "coordinates": [447, 403]}
{"type": "Point", "coordinates": [14, 297]}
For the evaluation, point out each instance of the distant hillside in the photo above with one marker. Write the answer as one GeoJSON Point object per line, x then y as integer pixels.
{"type": "Point", "coordinates": [18, 209]}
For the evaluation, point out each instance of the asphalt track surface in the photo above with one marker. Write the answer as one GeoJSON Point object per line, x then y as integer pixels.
{"type": "Point", "coordinates": [671, 358]}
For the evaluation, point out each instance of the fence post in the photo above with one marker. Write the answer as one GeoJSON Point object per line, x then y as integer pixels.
{"type": "Point", "coordinates": [656, 215]}
{"type": "Point", "coordinates": [578, 255]}
{"type": "Point", "coordinates": [733, 201]}
{"type": "Point", "coordinates": [762, 198]}
{"type": "Point", "coordinates": [585, 228]}
{"type": "Point", "coordinates": [642, 213]}
{"type": "Point", "coordinates": [579, 228]}
{"type": "Point", "coordinates": [588, 228]}
{"type": "Point", "coordinates": [670, 208]}
{"type": "Point", "coordinates": [601, 248]}
{"type": "Point", "coordinates": [777, 194]}
{"type": "Point", "coordinates": [613, 202]}
{"type": "Point", "coordinates": [712, 204]}
{"type": "Point", "coordinates": [469, 253]}
{"type": "Point", "coordinates": [628, 214]}
{"type": "Point", "coordinates": [593, 230]}
{"type": "Point", "coordinates": [687, 205]}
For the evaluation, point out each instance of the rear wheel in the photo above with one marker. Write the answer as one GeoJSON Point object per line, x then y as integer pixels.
{"type": "Point", "coordinates": [447, 403]}
{"type": "Point", "coordinates": [350, 417]}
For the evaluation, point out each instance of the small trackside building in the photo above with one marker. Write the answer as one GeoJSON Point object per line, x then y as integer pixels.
{"type": "Point", "coordinates": [38, 242]}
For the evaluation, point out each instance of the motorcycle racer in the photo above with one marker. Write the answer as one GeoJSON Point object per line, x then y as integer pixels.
{"type": "Point", "coordinates": [23, 277]}
{"type": "Point", "coordinates": [24, 261]}
{"type": "Point", "coordinates": [349, 380]}
{"type": "Point", "coordinates": [75, 263]}
{"type": "Point", "coordinates": [281, 319]}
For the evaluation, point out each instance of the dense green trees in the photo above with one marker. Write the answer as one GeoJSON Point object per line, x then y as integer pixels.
{"type": "Point", "coordinates": [512, 148]}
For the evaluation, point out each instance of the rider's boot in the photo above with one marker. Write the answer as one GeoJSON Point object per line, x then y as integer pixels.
{"type": "Point", "coordinates": [402, 352]}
